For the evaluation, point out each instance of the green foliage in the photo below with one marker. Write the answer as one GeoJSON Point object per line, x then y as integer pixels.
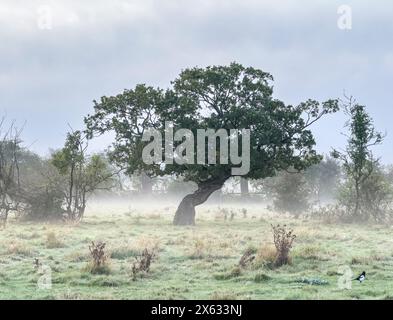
{"type": "Point", "coordinates": [296, 192]}
{"type": "Point", "coordinates": [376, 196]}
{"type": "Point", "coordinates": [291, 193]}
{"type": "Point", "coordinates": [365, 193]}
{"type": "Point", "coordinates": [42, 188]}
{"type": "Point", "coordinates": [81, 174]}
{"type": "Point", "coordinates": [218, 97]}
{"type": "Point", "coordinates": [178, 186]}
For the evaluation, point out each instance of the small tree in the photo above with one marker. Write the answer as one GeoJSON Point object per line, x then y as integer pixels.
{"type": "Point", "coordinates": [358, 161]}
{"type": "Point", "coordinates": [9, 171]}
{"type": "Point", "coordinates": [81, 174]}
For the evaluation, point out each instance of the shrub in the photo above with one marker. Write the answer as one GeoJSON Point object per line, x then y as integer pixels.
{"type": "Point", "coordinates": [52, 241]}
{"type": "Point", "coordinates": [42, 189]}
{"type": "Point", "coordinates": [98, 264]}
{"type": "Point", "coordinates": [143, 262]}
{"type": "Point", "coordinates": [374, 200]}
{"type": "Point", "coordinates": [283, 240]}
{"type": "Point", "coordinates": [44, 203]}
{"type": "Point", "coordinates": [291, 193]}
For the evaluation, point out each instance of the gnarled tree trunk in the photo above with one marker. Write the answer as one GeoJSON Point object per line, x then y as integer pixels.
{"type": "Point", "coordinates": [185, 214]}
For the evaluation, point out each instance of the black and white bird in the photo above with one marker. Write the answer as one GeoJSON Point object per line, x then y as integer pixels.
{"type": "Point", "coordinates": [361, 277]}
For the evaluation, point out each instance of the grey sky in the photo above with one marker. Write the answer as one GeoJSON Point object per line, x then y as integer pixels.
{"type": "Point", "coordinates": [49, 78]}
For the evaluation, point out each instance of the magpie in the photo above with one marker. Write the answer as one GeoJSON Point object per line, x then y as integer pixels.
{"type": "Point", "coordinates": [362, 277]}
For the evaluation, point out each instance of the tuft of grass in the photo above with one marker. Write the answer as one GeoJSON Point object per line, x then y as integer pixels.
{"type": "Point", "coordinates": [92, 268]}
{"type": "Point", "coordinates": [261, 277]}
{"type": "Point", "coordinates": [107, 282]}
{"type": "Point", "coordinates": [28, 236]}
{"type": "Point", "coordinates": [123, 253]}
{"type": "Point", "coordinates": [234, 273]}
{"type": "Point", "coordinates": [222, 296]}
{"type": "Point", "coordinates": [144, 242]}
{"type": "Point", "coordinates": [332, 273]}
{"type": "Point", "coordinates": [200, 249]}
{"type": "Point", "coordinates": [266, 256]}
{"type": "Point", "coordinates": [52, 242]}
{"type": "Point", "coordinates": [362, 260]}
{"type": "Point", "coordinates": [309, 252]}
{"type": "Point", "coordinates": [76, 257]}
{"type": "Point", "coordinates": [19, 248]}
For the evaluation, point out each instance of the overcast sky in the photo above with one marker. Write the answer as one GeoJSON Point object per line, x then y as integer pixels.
{"type": "Point", "coordinates": [57, 56]}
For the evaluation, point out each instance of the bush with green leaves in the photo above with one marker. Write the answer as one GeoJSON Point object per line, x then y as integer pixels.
{"type": "Point", "coordinates": [375, 200]}
{"type": "Point", "coordinates": [81, 174]}
{"type": "Point", "coordinates": [42, 188]}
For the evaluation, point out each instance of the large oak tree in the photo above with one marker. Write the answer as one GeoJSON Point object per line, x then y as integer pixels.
{"type": "Point", "coordinates": [216, 97]}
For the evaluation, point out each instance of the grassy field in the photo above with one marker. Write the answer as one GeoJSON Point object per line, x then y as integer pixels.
{"type": "Point", "coordinates": [198, 262]}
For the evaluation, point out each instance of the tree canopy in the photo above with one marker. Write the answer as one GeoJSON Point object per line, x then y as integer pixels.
{"type": "Point", "coordinates": [230, 97]}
